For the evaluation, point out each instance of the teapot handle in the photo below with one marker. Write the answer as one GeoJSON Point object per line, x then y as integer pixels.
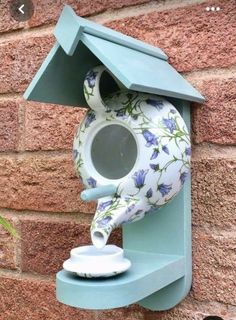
{"type": "Point", "coordinates": [94, 88]}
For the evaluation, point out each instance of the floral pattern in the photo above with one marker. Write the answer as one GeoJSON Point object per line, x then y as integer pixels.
{"type": "Point", "coordinates": [89, 83]}
{"type": "Point", "coordinates": [149, 193]}
{"type": "Point", "coordinates": [183, 177]}
{"type": "Point", "coordinates": [92, 182]}
{"type": "Point", "coordinates": [164, 161]}
{"type": "Point", "coordinates": [139, 178]}
{"type": "Point", "coordinates": [165, 149]}
{"type": "Point", "coordinates": [90, 78]}
{"type": "Point", "coordinates": [170, 124]}
{"type": "Point", "coordinates": [104, 221]}
{"type": "Point", "coordinates": [89, 119]}
{"type": "Point", "coordinates": [158, 104]}
{"type": "Point", "coordinates": [164, 189]}
{"type": "Point", "coordinates": [188, 151]}
{"type": "Point", "coordinates": [155, 153]}
{"type": "Point", "coordinates": [150, 138]}
{"type": "Point", "coordinates": [102, 206]}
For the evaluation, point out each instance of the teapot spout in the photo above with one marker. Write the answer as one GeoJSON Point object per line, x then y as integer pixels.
{"type": "Point", "coordinates": [111, 213]}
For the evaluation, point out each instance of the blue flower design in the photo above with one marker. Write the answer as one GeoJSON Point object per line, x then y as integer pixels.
{"type": "Point", "coordinates": [130, 208]}
{"type": "Point", "coordinates": [89, 119]}
{"type": "Point", "coordinates": [170, 124]}
{"type": "Point", "coordinates": [120, 113]}
{"type": "Point", "coordinates": [183, 177]}
{"type": "Point", "coordinates": [149, 193]}
{"type": "Point", "coordinates": [75, 153]}
{"type": "Point", "coordinates": [165, 149]}
{"type": "Point", "coordinates": [139, 178]}
{"type": "Point", "coordinates": [150, 138]}
{"type": "Point", "coordinates": [91, 77]}
{"type": "Point", "coordinates": [138, 212]}
{"type": "Point", "coordinates": [154, 167]}
{"type": "Point", "coordinates": [102, 206]}
{"type": "Point", "coordinates": [188, 151]}
{"type": "Point", "coordinates": [104, 221]}
{"type": "Point", "coordinates": [158, 104]}
{"type": "Point", "coordinates": [173, 111]}
{"type": "Point", "coordinates": [134, 116]}
{"type": "Point", "coordinates": [155, 154]}
{"type": "Point", "coordinates": [164, 189]}
{"type": "Point", "coordinates": [92, 182]}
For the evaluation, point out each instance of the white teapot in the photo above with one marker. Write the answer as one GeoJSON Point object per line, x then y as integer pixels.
{"type": "Point", "coordinates": [132, 150]}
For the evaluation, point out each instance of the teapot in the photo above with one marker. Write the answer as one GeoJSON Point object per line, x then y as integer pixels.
{"type": "Point", "coordinates": [131, 151]}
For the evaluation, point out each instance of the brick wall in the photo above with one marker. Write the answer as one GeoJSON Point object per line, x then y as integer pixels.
{"type": "Point", "coordinates": [39, 192]}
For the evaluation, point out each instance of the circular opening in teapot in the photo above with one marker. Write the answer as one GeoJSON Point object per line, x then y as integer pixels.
{"type": "Point", "coordinates": [114, 151]}
{"type": "Point", "coordinates": [107, 85]}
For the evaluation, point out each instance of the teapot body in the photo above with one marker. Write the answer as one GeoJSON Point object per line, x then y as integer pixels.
{"type": "Point", "coordinates": [139, 143]}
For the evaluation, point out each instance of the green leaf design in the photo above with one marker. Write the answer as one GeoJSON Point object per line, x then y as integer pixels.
{"type": "Point", "coordinates": [8, 227]}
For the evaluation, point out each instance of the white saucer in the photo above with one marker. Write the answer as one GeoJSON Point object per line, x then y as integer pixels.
{"type": "Point", "coordinates": [90, 262]}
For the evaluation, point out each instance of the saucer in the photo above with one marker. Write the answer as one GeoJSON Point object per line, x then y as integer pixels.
{"type": "Point", "coordinates": [90, 262]}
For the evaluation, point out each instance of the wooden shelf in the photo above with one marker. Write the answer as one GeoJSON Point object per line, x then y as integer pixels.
{"type": "Point", "coordinates": [149, 273]}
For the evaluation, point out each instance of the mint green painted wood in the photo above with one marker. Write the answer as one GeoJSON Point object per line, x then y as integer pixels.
{"type": "Point", "coordinates": [169, 231]}
{"type": "Point", "coordinates": [141, 72]}
{"type": "Point", "coordinates": [97, 193]}
{"type": "Point", "coordinates": [68, 30]}
{"type": "Point", "coordinates": [70, 27]}
{"type": "Point", "coordinates": [83, 44]}
{"type": "Point", "coordinates": [60, 78]}
{"type": "Point", "coordinates": [159, 248]}
{"type": "Point", "coordinates": [149, 272]}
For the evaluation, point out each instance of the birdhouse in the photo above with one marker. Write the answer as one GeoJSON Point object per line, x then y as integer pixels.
{"type": "Point", "coordinates": [132, 152]}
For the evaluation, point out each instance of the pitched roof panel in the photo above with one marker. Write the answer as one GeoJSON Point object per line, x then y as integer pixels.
{"type": "Point", "coordinates": [83, 44]}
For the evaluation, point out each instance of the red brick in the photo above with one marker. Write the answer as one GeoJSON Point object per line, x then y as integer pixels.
{"type": "Point", "coordinates": [28, 299]}
{"type": "Point", "coordinates": [50, 127]}
{"type": "Point", "coordinates": [47, 12]}
{"type": "Point", "coordinates": [213, 191]}
{"type": "Point", "coordinates": [9, 129]}
{"type": "Point", "coordinates": [20, 59]}
{"type": "Point", "coordinates": [8, 247]}
{"type": "Point", "coordinates": [132, 312]}
{"type": "Point", "coordinates": [214, 266]}
{"type": "Point", "coordinates": [47, 244]}
{"type": "Point", "coordinates": [190, 36]}
{"type": "Point", "coordinates": [6, 21]}
{"type": "Point", "coordinates": [41, 182]}
{"type": "Point", "coordinates": [214, 121]}
{"type": "Point", "coordinates": [190, 309]}
{"type": "Point", "coordinates": [174, 314]}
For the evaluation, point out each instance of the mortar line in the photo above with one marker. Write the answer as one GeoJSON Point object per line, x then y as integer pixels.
{"type": "Point", "coordinates": [21, 124]}
{"type": "Point", "coordinates": [141, 9]}
{"type": "Point", "coordinates": [18, 244]}
{"type": "Point", "coordinates": [10, 96]}
{"type": "Point", "coordinates": [43, 153]}
{"type": "Point", "coordinates": [82, 217]}
{"type": "Point", "coordinates": [15, 274]}
{"type": "Point", "coordinates": [214, 230]}
{"type": "Point", "coordinates": [67, 152]}
{"type": "Point", "coordinates": [22, 34]}
{"type": "Point", "coordinates": [206, 150]}
{"type": "Point", "coordinates": [210, 73]}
